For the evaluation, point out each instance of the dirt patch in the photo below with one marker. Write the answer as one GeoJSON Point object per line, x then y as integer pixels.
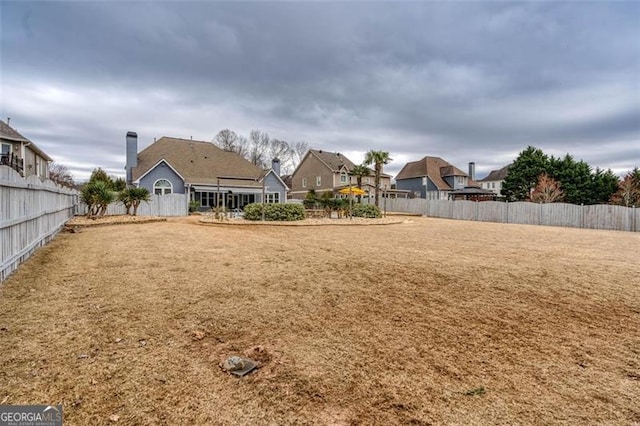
{"type": "Point", "coordinates": [85, 222]}
{"type": "Point", "coordinates": [428, 322]}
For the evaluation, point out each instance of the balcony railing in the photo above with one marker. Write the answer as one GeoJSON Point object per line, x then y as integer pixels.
{"type": "Point", "coordinates": [12, 161]}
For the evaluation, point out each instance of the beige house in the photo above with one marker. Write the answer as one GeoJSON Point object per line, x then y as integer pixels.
{"type": "Point", "coordinates": [21, 154]}
{"type": "Point", "coordinates": [495, 179]}
{"type": "Point", "coordinates": [329, 171]}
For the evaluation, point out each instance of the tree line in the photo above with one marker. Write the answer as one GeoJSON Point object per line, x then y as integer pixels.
{"type": "Point", "coordinates": [259, 149]}
{"type": "Point", "coordinates": [537, 177]}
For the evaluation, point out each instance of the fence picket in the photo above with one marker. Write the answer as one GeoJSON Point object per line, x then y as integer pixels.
{"type": "Point", "coordinates": [601, 216]}
{"type": "Point", "coordinates": [31, 214]}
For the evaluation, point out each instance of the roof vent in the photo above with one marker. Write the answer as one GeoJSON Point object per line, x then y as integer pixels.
{"type": "Point", "coordinates": [320, 151]}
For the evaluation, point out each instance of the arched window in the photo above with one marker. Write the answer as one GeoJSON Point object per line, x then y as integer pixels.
{"type": "Point", "coordinates": [162, 187]}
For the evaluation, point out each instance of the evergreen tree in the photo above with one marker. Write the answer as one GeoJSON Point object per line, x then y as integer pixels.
{"type": "Point", "coordinates": [523, 174]}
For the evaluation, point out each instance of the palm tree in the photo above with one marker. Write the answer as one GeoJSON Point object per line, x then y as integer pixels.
{"type": "Point", "coordinates": [359, 172]}
{"type": "Point", "coordinates": [97, 195]}
{"type": "Point", "coordinates": [378, 159]}
{"type": "Point", "coordinates": [125, 198]}
{"type": "Point", "coordinates": [138, 195]}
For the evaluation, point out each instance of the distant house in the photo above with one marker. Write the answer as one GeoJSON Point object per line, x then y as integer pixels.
{"type": "Point", "coordinates": [21, 154]}
{"type": "Point", "coordinates": [329, 171]}
{"type": "Point", "coordinates": [211, 176]}
{"type": "Point", "coordinates": [432, 178]}
{"type": "Point", "coordinates": [494, 179]}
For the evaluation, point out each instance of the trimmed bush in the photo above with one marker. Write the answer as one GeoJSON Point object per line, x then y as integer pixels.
{"type": "Point", "coordinates": [366, 210]}
{"type": "Point", "coordinates": [274, 212]}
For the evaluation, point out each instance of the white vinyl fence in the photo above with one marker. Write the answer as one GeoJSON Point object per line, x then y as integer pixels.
{"type": "Point", "coordinates": [31, 213]}
{"type": "Point", "coordinates": [159, 205]}
{"type": "Point", "coordinates": [600, 216]}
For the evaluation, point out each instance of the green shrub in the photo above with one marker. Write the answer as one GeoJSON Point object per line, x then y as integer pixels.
{"type": "Point", "coordinates": [274, 212]}
{"type": "Point", "coordinates": [310, 200]}
{"type": "Point", "coordinates": [366, 210]}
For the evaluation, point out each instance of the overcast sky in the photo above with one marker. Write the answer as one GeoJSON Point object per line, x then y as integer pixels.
{"type": "Point", "coordinates": [466, 81]}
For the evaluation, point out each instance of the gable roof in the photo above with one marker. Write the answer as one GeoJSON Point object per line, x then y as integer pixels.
{"type": "Point", "coordinates": [499, 174]}
{"type": "Point", "coordinates": [272, 172]}
{"type": "Point", "coordinates": [198, 162]}
{"type": "Point", "coordinates": [434, 167]}
{"type": "Point", "coordinates": [9, 133]}
{"type": "Point", "coordinates": [333, 160]}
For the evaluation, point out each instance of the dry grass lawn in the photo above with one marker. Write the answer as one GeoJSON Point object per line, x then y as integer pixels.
{"type": "Point", "coordinates": [429, 322]}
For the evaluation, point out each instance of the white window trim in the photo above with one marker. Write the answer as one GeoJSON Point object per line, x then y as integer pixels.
{"type": "Point", "coordinates": [164, 187]}
{"type": "Point", "coordinates": [318, 180]}
{"type": "Point", "coordinates": [272, 198]}
{"type": "Point", "coordinates": [7, 145]}
{"type": "Point", "coordinates": [304, 182]}
{"type": "Point", "coordinates": [343, 177]}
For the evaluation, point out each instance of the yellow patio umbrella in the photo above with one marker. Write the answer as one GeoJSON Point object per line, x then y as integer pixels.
{"type": "Point", "coordinates": [352, 190]}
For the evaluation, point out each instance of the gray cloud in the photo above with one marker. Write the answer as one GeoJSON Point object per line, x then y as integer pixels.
{"type": "Point", "coordinates": [465, 81]}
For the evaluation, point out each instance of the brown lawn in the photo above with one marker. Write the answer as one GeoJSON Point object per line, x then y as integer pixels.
{"type": "Point", "coordinates": [429, 322]}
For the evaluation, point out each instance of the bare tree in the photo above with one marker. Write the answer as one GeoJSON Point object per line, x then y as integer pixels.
{"type": "Point", "coordinates": [279, 149]}
{"type": "Point", "coordinates": [60, 174]}
{"type": "Point", "coordinates": [298, 151]}
{"type": "Point", "coordinates": [242, 147]}
{"type": "Point", "coordinates": [226, 139]}
{"type": "Point", "coordinates": [258, 144]}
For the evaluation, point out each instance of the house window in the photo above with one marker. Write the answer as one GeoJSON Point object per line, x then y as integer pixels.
{"type": "Point", "coordinates": [272, 197]}
{"type": "Point", "coordinates": [318, 180]}
{"type": "Point", "coordinates": [493, 185]}
{"type": "Point", "coordinates": [162, 187]}
{"type": "Point", "coordinates": [343, 178]}
{"type": "Point", "coordinates": [367, 180]}
{"type": "Point", "coordinates": [304, 182]}
{"type": "Point", "coordinates": [5, 148]}
{"type": "Point", "coordinates": [460, 180]}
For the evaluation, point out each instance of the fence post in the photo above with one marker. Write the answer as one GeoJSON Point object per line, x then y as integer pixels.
{"type": "Point", "coordinates": [540, 218]}
{"type": "Point", "coordinates": [633, 219]}
{"type": "Point", "coordinates": [581, 215]}
{"type": "Point", "coordinates": [507, 210]}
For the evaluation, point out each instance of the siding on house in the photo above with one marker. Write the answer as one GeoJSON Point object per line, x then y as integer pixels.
{"type": "Point", "coordinates": [311, 168]}
{"type": "Point", "coordinates": [272, 185]}
{"type": "Point", "coordinates": [35, 162]}
{"type": "Point", "coordinates": [162, 171]}
{"type": "Point", "coordinates": [414, 185]}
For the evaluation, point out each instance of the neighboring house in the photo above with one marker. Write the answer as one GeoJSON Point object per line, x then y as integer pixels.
{"type": "Point", "coordinates": [432, 178]}
{"type": "Point", "coordinates": [21, 154]}
{"type": "Point", "coordinates": [329, 171]}
{"type": "Point", "coordinates": [211, 176]}
{"type": "Point", "coordinates": [494, 179]}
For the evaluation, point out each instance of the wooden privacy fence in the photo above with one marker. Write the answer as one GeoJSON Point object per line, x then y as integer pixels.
{"type": "Point", "coordinates": [158, 205]}
{"type": "Point", "coordinates": [600, 216]}
{"type": "Point", "coordinates": [31, 213]}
